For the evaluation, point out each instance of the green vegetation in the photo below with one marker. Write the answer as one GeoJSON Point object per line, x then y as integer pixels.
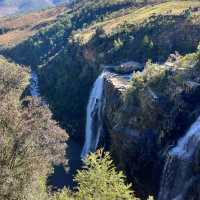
{"type": "Point", "coordinates": [137, 16]}
{"type": "Point", "coordinates": [174, 86]}
{"type": "Point", "coordinates": [30, 140]}
{"type": "Point", "coordinates": [160, 104]}
{"type": "Point", "coordinates": [118, 31]}
{"type": "Point", "coordinates": [67, 57]}
{"type": "Point", "coordinates": [98, 180]}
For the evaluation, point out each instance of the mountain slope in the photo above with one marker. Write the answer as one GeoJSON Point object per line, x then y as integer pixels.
{"type": "Point", "coordinates": [15, 30]}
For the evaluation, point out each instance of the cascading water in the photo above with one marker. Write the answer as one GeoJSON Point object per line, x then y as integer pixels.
{"type": "Point", "coordinates": [177, 173]}
{"type": "Point", "coordinates": [94, 117]}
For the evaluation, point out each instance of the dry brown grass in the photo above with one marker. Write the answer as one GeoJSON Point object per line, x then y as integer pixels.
{"type": "Point", "coordinates": [11, 37]}
{"type": "Point", "coordinates": [25, 26]}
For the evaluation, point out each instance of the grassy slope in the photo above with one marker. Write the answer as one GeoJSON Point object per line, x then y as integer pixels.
{"type": "Point", "coordinates": [22, 27]}
{"type": "Point", "coordinates": [137, 16]}
{"type": "Point", "coordinates": [112, 19]}
{"type": "Point", "coordinates": [84, 12]}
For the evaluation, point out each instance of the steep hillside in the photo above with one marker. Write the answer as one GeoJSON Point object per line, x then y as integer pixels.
{"type": "Point", "coordinates": [113, 32]}
{"type": "Point", "coordinates": [136, 17]}
{"type": "Point", "coordinates": [146, 116]}
{"type": "Point", "coordinates": [30, 140]}
{"type": "Point", "coordinates": [68, 47]}
{"type": "Point", "coordinates": [154, 38]}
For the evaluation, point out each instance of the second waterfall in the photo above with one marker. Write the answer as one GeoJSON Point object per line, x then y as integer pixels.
{"type": "Point", "coordinates": [178, 173]}
{"type": "Point", "coordinates": [94, 125]}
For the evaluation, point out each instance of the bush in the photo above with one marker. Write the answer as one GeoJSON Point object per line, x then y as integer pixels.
{"type": "Point", "coordinates": [99, 180]}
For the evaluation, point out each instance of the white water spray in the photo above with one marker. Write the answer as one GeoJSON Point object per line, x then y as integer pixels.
{"type": "Point", "coordinates": [94, 117]}
{"type": "Point", "coordinates": [177, 174]}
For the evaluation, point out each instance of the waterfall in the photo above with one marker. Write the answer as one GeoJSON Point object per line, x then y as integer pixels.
{"type": "Point", "coordinates": [177, 174]}
{"type": "Point", "coordinates": [94, 117]}
{"type": "Point", "coordinates": [34, 89]}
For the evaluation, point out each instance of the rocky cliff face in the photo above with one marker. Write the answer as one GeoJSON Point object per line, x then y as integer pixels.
{"type": "Point", "coordinates": [133, 151]}
{"type": "Point", "coordinates": [145, 118]}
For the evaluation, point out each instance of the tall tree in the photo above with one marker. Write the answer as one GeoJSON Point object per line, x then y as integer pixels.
{"type": "Point", "coordinates": [30, 141]}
